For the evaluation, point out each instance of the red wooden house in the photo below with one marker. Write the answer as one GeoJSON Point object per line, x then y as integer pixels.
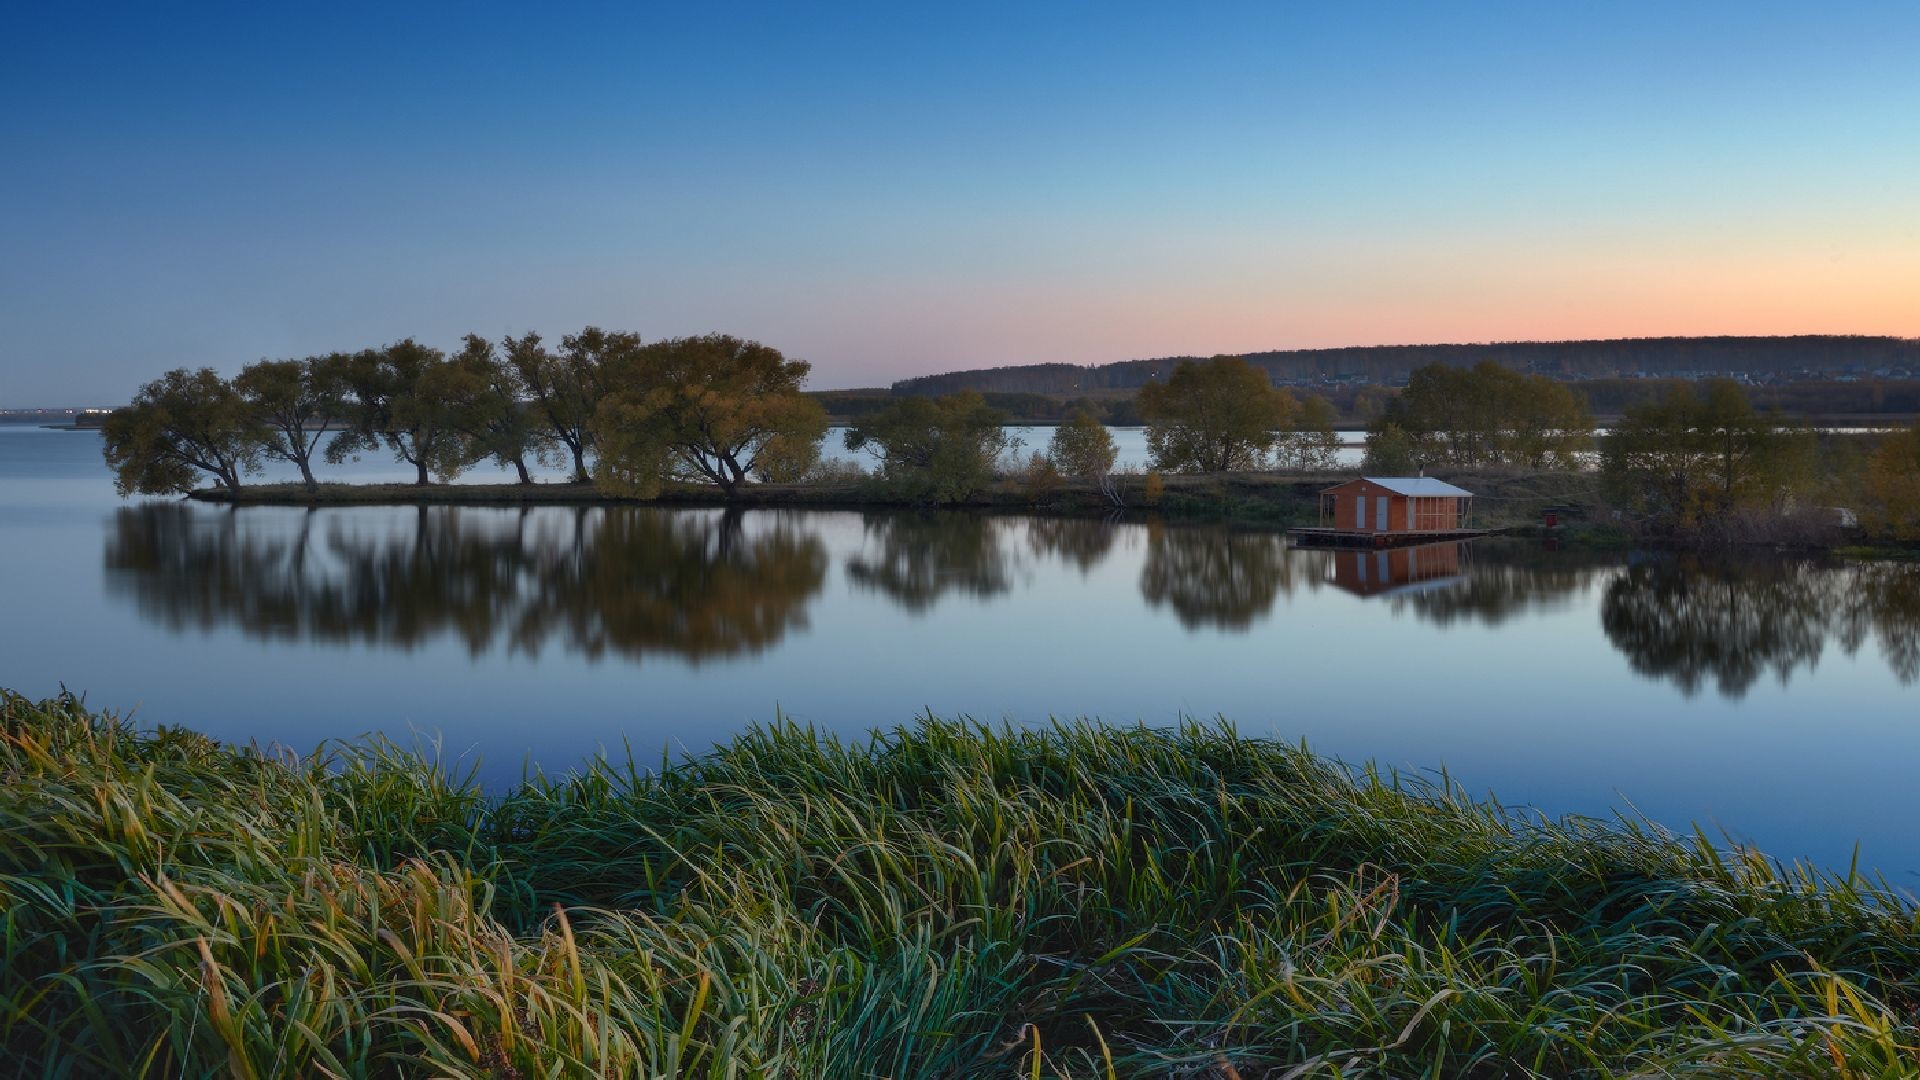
{"type": "Point", "coordinates": [1393, 509]}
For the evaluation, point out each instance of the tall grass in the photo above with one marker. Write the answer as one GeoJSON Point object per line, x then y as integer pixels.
{"type": "Point", "coordinates": [941, 900]}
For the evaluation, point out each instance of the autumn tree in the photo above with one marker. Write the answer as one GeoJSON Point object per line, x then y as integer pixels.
{"type": "Point", "coordinates": [482, 397]}
{"type": "Point", "coordinates": [1391, 451]}
{"type": "Point", "coordinates": [180, 424]}
{"type": "Point", "coordinates": [713, 408]}
{"type": "Point", "coordinates": [1213, 416]}
{"type": "Point", "coordinates": [1891, 503]}
{"type": "Point", "coordinates": [1082, 447]}
{"type": "Point", "coordinates": [1309, 444]}
{"type": "Point", "coordinates": [392, 403]}
{"type": "Point", "coordinates": [1693, 456]}
{"type": "Point", "coordinates": [564, 388]}
{"type": "Point", "coordinates": [292, 401]}
{"type": "Point", "coordinates": [944, 449]}
{"type": "Point", "coordinates": [1489, 414]}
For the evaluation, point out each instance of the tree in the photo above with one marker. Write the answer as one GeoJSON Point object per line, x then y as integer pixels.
{"type": "Point", "coordinates": [1215, 416]}
{"type": "Point", "coordinates": [1082, 447]}
{"type": "Point", "coordinates": [1391, 451]}
{"type": "Point", "coordinates": [292, 400]}
{"type": "Point", "coordinates": [944, 449]}
{"type": "Point", "coordinates": [179, 423]}
{"type": "Point", "coordinates": [712, 408]}
{"type": "Point", "coordinates": [1310, 444]}
{"type": "Point", "coordinates": [1489, 415]}
{"type": "Point", "coordinates": [1892, 489]}
{"type": "Point", "coordinates": [483, 400]}
{"type": "Point", "coordinates": [391, 391]}
{"type": "Point", "coordinates": [1694, 457]}
{"type": "Point", "coordinates": [565, 387]}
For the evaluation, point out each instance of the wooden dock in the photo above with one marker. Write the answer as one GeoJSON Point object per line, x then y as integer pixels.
{"type": "Point", "coordinates": [1352, 538]}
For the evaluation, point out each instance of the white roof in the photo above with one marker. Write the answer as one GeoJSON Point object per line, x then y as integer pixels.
{"type": "Point", "coordinates": [1417, 485]}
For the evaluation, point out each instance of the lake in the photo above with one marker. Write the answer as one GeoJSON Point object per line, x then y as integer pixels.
{"type": "Point", "coordinates": [1777, 700]}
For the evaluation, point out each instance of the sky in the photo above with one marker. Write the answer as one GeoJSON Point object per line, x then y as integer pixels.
{"type": "Point", "coordinates": [896, 189]}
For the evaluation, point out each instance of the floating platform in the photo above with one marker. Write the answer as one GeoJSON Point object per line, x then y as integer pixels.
{"type": "Point", "coordinates": [1358, 538]}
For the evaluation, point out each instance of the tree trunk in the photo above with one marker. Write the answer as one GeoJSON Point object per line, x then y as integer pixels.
{"type": "Point", "coordinates": [306, 474]}
{"type": "Point", "coordinates": [579, 463]}
{"type": "Point", "coordinates": [421, 467]}
{"type": "Point", "coordinates": [520, 463]}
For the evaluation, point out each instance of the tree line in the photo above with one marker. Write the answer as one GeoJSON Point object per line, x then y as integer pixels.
{"type": "Point", "coordinates": [612, 409]}
{"type": "Point", "coordinates": [1218, 415]}
{"type": "Point", "coordinates": [632, 416]}
{"type": "Point", "coordinates": [1380, 363]}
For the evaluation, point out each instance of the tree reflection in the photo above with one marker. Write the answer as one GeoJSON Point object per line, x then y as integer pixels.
{"type": "Point", "coordinates": [1502, 581]}
{"type": "Point", "coordinates": [1081, 543]}
{"type": "Point", "coordinates": [916, 558]}
{"type": "Point", "coordinates": [626, 581]}
{"type": "Point", "coordinates": [1884, 598]}
{"type": "Point", "coordinates": [1217, 577]}
{"type": "Point", "coordinates": [1730, 622]}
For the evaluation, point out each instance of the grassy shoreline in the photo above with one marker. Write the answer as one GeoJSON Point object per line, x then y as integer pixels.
{"type": "Point", "coordinates": [942, 900]}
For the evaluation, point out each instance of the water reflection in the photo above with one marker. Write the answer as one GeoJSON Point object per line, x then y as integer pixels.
{"type": "Point", "coordinates": [625, 581]}
{"type": "Point", "coordinates": [1215, 577]}
{"type": "Point", "coordinates": [916, 558]}
{"type": "Point", "coordinates": [1082, 543]}
{"type": "Point", "coordinates": [1498, 582]}
{"type": "Point", "coordinates": [1729, 622]}
{"type": "Point", "coordinates": [1402, 570]}
{"type": "Point", "coordinates": [702, 585]}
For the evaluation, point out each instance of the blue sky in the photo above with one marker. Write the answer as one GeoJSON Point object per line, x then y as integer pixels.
{"type": "Point", "coordinates": [887, 191]}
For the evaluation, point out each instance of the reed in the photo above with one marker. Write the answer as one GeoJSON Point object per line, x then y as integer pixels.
{"type": "Point", "coordinates": [944, 899]}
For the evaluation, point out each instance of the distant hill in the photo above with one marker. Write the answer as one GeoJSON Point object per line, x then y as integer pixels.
{"type": "Point", "coordinates": [1768, 359]}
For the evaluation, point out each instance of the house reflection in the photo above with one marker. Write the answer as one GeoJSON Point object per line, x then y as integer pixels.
{"type": "Point", "coordinates": [1401, 570]}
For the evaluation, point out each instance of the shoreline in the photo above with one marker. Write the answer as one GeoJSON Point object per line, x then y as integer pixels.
{"type": "Point", "coordinates": [1505, 501]}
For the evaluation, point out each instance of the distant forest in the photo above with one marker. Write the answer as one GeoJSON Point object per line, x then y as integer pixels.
{"type": "Point", "coordinates": [1767, 358]}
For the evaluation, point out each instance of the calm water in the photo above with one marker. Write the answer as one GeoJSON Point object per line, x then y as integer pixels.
{"type": "Point", "coordinates": [1774, 700]}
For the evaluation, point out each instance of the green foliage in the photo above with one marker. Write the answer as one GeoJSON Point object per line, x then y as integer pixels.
{"type": "Point", "coordinates": [943, 899]}
{"type": "Point", "coordinates": [183, 423]}
{"type": "Point", "coordinates": [1891, 507]}
{"type": "Point", "coordinates": [711, 409]}
{"type": "Point", "coordinates": [1041, 479]}
{"type": "Point", "coordinates": [1216, 416]}
{"type": "Point", "coordinates": [291, 401]}
{"type": "Point", "coordinates": [1696, 458]}
{"type": "Point", "coordinates": [482, 400]}
{"type": "Point", "coordinates": [1310, 444]}
{"type": "Point", "coordinates": [1391, 451]}
{"type": "Point", "coordinates": [395, 401]}
{"type": "Point", "coordinates": [1489, 415]}
{"type": "Point", "coordinates": [564, 388]}
{"type": "Point", "coordinates": [942, 449]}
{"type": "Point", "coordinates": [1082, 447]}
